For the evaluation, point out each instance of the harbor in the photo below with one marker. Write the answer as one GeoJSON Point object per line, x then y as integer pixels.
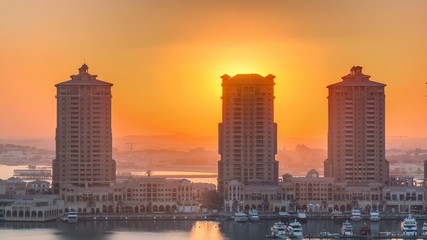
{"type": "Point", "coordinates": [159, 229]}
{"type": "Point", "coordinates": [229, 216]}
{"type": "Point", "coordinates": [290, 226]}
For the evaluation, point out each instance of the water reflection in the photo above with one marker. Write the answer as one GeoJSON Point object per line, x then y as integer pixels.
{"type": "Point", "coordinates": [177, 230]}
{"type": "Point", "coordinates": [206, 231]}
{"type": "Point", "coordinates": [128, 230]}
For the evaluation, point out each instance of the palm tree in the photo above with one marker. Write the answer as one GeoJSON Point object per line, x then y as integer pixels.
{"type": "Point", "coordinates": [91, 202]}
{"type": "Point", "coordinates": [234, 206]}
{"type": "Point", "coordinates": [325, 205]}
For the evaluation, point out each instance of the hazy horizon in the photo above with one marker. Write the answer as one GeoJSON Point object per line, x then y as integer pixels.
{"type": "Point", "coordinates": [189, 142]}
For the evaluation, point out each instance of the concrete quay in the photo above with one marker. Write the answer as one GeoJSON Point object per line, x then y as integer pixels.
{"type": "Point", "coordinates": [364, 237]}
{"type": "Point", "coordinates": [133, 216]}
{"type": "Point", "coordinates": [228, 216]}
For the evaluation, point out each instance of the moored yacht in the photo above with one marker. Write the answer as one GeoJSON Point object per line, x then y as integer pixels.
{"type": "Point", "coordinates": [410, 226]}
{"type": "Point", "coordinates": [295, 229]}
{"type": "Point", "coordinates": [71, 217]}
{"type": "Point", "coordinates": [374, 216]}
{"type": "Point", "coordinates": [356, 215]}
{"type": "Point", "coordinates": [424, 230]}
{"type": "Point", "coordinates": [253, 215]}
{"type": "Point", "coordinates": [337, 215]}
{"type": "Point", "coordinates": [240, 217]}
{"type": "Point", "coordinates": [279, 230]}
{"type": "Point", "coordinates": [347, 229]}
{"type": "Point", "coordinates": [328, 234]}
{"type": "Point", "coordinates": [302, 216]}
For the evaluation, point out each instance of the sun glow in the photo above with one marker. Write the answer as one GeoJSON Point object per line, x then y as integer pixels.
{"type": "Point", "coordinates": [166, 60]}
{"type": "Point", "coordinates": [206, 230]}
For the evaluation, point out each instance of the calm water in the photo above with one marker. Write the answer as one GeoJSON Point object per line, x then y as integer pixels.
{"type": "Point", "coordinates": [162, 230]}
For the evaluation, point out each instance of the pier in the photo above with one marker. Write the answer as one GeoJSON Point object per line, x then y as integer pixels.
{"type": "Point", "coordinates": [130, 217]}
{"type": "Point", "coordinates": [364, 237]}
{"type": "Point", "coordinates": [226, 216]}
{"type": "Point", "coordinates": [30, 174]}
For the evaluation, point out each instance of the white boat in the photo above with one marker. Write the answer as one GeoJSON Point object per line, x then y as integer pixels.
{"type": "Point", "coordinates": [337, 215]}
{"type": "Point", "coordinates": [240, 217]}
{"type": "Point", "coordinates": [71, 217]}
{"type": "Point", "coordinates": [295, 229]}
{"type": "Point", "coordinates": [386, 234]}
{"type": "Point", "coordinates": [253, 215]}
{"type": "Point", "coordinates": [356, 215]}
{"type": "Point", "coordinates": [302, 216]}
{"type": "Point", "coordinates": [279, 230]}
{"type": "Point", "coordinates": [347, 229]}
{"type": "Point", "coordinates": [374, 216]}
{"type": "Point", "coordinates": [329, 234]}
{"type": "Point", "coordinates": [424, 229]}
{"type": "Point", "coordinates": [410, 226]}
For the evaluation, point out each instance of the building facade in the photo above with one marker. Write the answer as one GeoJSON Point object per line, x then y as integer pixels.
{"type": "Point", "coordinates": [13, 186]}
{"type": "Point", "coordinates": [356, 132]}
{"type": "Point", "coordinates": [137, 195]}
{"type": "Point", "coordinates": [247, 133]}
{"type": "Point", "coordinates": [323, 194]}
{"type": "Point", "coordinates": [31, 208]}
{"type": "Point", "coordinates": [83, 133]}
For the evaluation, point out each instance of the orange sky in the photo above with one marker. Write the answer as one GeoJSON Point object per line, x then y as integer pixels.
{"type": "Point", "coordinates": [165, 58]}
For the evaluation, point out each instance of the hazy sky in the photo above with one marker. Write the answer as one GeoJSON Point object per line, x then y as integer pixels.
{"type": "Point", "coordinates": [165, 59]}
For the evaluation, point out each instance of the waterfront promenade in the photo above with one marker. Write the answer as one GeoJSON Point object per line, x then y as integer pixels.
{"type": "Point", "coordinates": [227, 216]}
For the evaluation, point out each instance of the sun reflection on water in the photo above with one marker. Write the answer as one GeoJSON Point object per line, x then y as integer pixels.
{"type": "Point", "coordinates": [206, 231]}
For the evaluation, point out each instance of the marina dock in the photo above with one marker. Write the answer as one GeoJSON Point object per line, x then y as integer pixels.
{"type": "Point", "coordinates": [364, 237]}
{"type": "Point", "coordinates": [225, 216]}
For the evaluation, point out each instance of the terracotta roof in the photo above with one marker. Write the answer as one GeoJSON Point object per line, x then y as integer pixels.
{"type": "Point", "coordinates": [357, 78]}
{"type": "Point", "coordinates": [83, 78]}
{"type": "Point", "coordinates": [248, 79]}
{"type": "Point", "coordinates": [83, 82]}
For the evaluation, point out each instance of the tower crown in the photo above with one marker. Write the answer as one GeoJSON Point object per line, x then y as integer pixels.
{"type": "Point", "coordinates": [84, 69]}
{"type": "Point", "coordinates": [83, 78]}
{"type": "Point", "coordinates": [356, 70]}
{"type": "Point", "coordinates": [83, 74]}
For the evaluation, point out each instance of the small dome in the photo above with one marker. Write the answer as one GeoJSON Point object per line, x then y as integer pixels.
{"type": "Point", "coordinates": [83, 69]}
{"type": "Point", "coordinates": [312, 173]}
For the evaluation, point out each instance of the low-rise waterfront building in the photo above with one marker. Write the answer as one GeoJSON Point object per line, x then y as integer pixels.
{"type": "Point", "coordinates": [322, 194]}
{"type": "Point", "coordinates": [258, 196]}
{"type": "Point", "coordinates": [13, 186]}
{"type": "Point", "coordinates": [400, 199]}
{"type": "Point", "coordinates": [30, 208]}
{"type": "Point", "coordinates": [309, 192]}
{"type": "Point", "coordinates": [16, 186]}
{"type": "Point", "coordinates": [136, 195]}
{"type": "Point", "coordinates": [362, 197]}
{"type": "Point", "coordinates": [38, 186]}
{"type": "Point", "coordinates": [293, 193]}
{"type": "Point", "coordinates": [200, 188]}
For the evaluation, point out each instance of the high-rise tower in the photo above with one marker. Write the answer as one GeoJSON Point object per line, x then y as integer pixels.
{"type": "Point", "coordinates": [83, 133]}
{"type": "Point", "coordinates": [248, 133]}
{"type": "Point", "coordinates": [356, 134]}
